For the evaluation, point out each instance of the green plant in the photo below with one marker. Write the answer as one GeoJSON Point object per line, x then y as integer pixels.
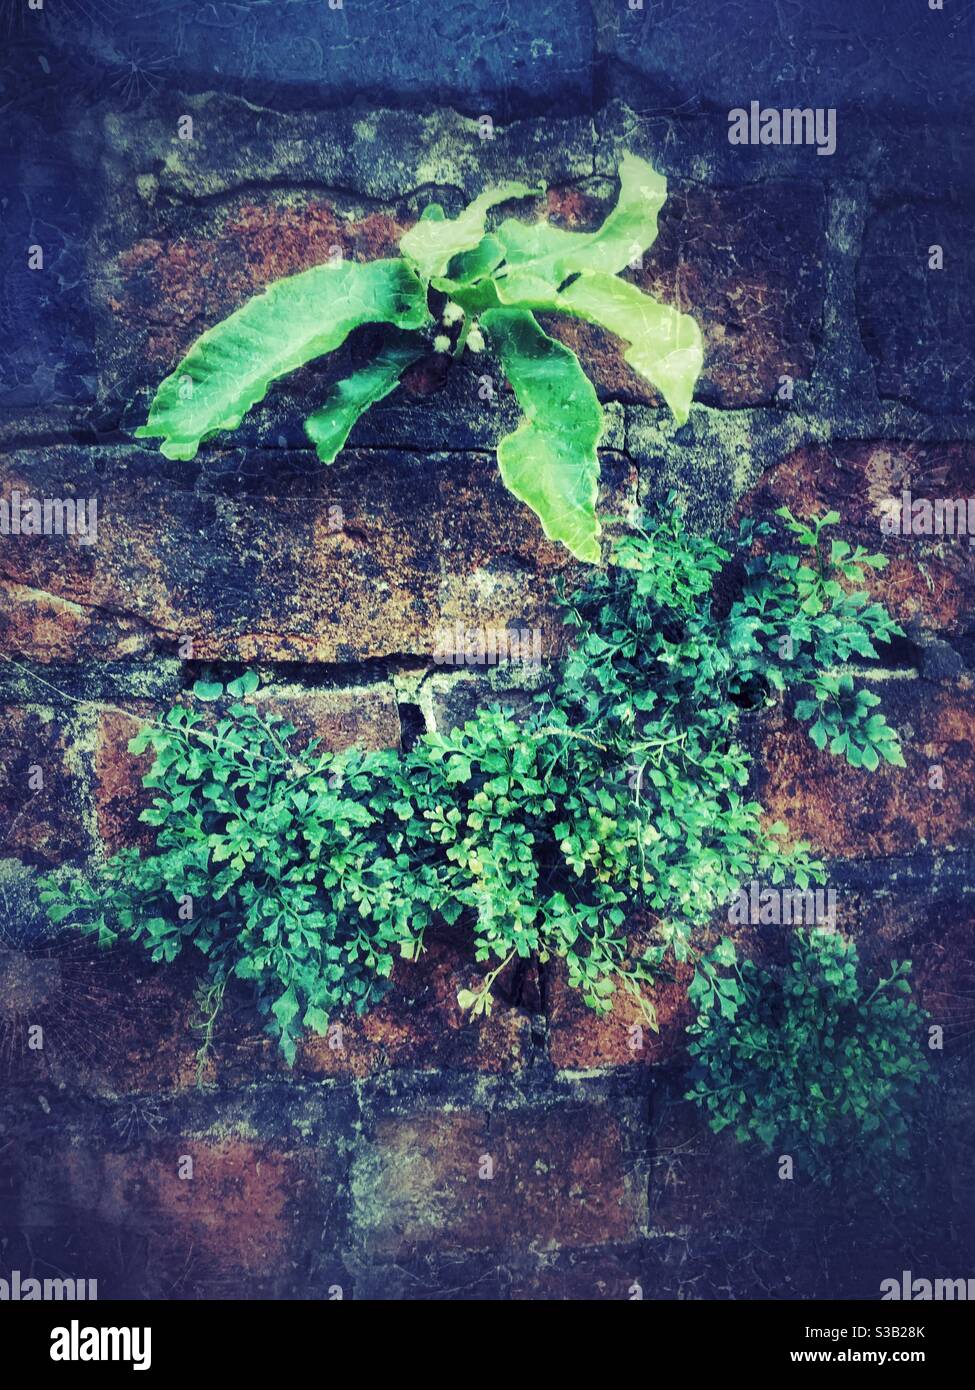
{"type": "Point", "coordinates": [270, 872]}
{"type": "Point", "coordinates": [623, 788]}
{"type": "Point", "coordinates": [809, 1062]}
{"type": "Point", "coordinates": [799, 620]}
{"type": "Point", "coordinates": [476, 280]}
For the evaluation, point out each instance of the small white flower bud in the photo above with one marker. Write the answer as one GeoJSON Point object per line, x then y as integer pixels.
{"type": "Point", "coordinates": [453, 313]}
{"type": "Point", "coordinates": [475, 340]}
{"type": "Point", "coordinates": [441, 343]}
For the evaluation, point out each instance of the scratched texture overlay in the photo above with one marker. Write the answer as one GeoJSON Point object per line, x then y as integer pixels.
{"type": "Point", "coordinates": [835, 295]}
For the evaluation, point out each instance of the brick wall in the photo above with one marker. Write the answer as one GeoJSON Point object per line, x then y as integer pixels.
{"type": "Point", "coordinates": [365, 1168]}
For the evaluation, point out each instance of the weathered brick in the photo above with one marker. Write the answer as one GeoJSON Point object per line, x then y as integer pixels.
{"type": "Point", "coordinates": [42, 786]}
{"type": "Point", "coordinates": [287, 561]}
{"type": "Point", "coordinates": [49, 611]}
{"type": "Point", "coordinates": [562, 1177]}
{"type": "Point", "coordinates": [739, 1222]}
{"type": "Point", "coordinates": [850, 813]}
{"type": "Point", "coordinates": [684, 1158]}
{"type": "Point", "coordinates": [943, 977]}
{"type": "Point", "coordinates": [230, 1226]}
{"type": "Point", "coordinates": [69, 1011]}
{"type": "Point", "coordinates": [49, 356]}
{"type": "Point", "coordinates": [693, 58]}
{"type": "Point", "coordinates": [916, 322]}
{"type": "Point", "coordinates": [886, 918]}
{"type": "Point", "coordinates": [420, 1025]}
{"type": "Point", "coordinates": [52, 628]}
{"type": "Point", "coordinates": [580, 1040]}
{"type": "Point", "coordinates": [460, 1277]}
{"type": "Point", "coordinates": [120, 797]}
{"type": "Point", "coordinates": [889, 915]}
{"type": "Point", "coordinates": [929, 580]}
{"type": "Point", "coordinates": [491, 535]}
{"type": "Point", "coordinates": [117, 1024]}
{"type": "Point", "coordinates": [171, 288]}
{"type": "Point", "coordinates": [580, 1275]}
{"type": "Point", "coordinates": [341, 56]}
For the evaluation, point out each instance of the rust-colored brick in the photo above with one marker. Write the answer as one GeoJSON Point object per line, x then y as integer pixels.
{"type": "Point", "coordinates": [560, 1177]}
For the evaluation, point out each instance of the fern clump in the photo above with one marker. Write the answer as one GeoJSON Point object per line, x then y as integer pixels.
{"type": "Point", "coordinates": [813, 1063]}
{"type": "Point", "coordinates": [624, 788]}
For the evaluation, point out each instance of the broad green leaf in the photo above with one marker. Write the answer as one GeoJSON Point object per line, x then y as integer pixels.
{"type": "Point", "coordinates": [329, 428]}
{"type": "Point", "coordinates": [552, 254]}
{"type": "Point", "coordinates": [525, 290]}
{"type": "Point", "coordinates": [550, 461]}
{"type": "Point", "coordinates": [316, 1019]}
{"type": "Point", "coordinates": [665, 345]}
{"type": "Point", "coordinates": [475, 299]}
{"type": "Point", "coordinates": [470, 266]}
{"type": "Point", "coordinates": [244, 685]}
{"type": "Point", "coordinates": [469, 280]}
{"type": "Point", "coordinates": [432, 244]}
{"type": "Point", "coordinates": [207, 690]}
{"type": "Point", "coordinates": [230, 367]}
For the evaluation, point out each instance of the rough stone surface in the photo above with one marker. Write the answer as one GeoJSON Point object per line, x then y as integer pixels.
{"type": "Point", "coordinates": [839, 53]}
{"type": "Point", "coordinates": [580, 1040]}
{"type": "Point", "coordinates": [917, 322]}
{"type": "Point", "coordinates": [210, 1211]}
{"type": "Point", "coordinates": [849, 813]}
{"type": "Point", "coordinates": [469, 1180]}
{"type": "Point", "coordinates": [44, 291]}
{"type": "Point", "coordinates": [929, 581]}
{"type": "Point", "coordinates": [318, 131]}
{"type": "Point", "coordinates": [41, 775]}
{"type": "Point", "coordinates": [266, 558]}
{"type": "Point", "coordinates": [363, 52]}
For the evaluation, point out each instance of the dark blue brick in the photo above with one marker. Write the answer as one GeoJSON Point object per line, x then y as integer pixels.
{"type": "Point", "coordinates": [919, 324]}
{"type": "Point", "coordinates": [476, 55]}
{"type": "Point", "coordinates": [710, 54]}
{"type": "Point", "coordinates": [48, 353]}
